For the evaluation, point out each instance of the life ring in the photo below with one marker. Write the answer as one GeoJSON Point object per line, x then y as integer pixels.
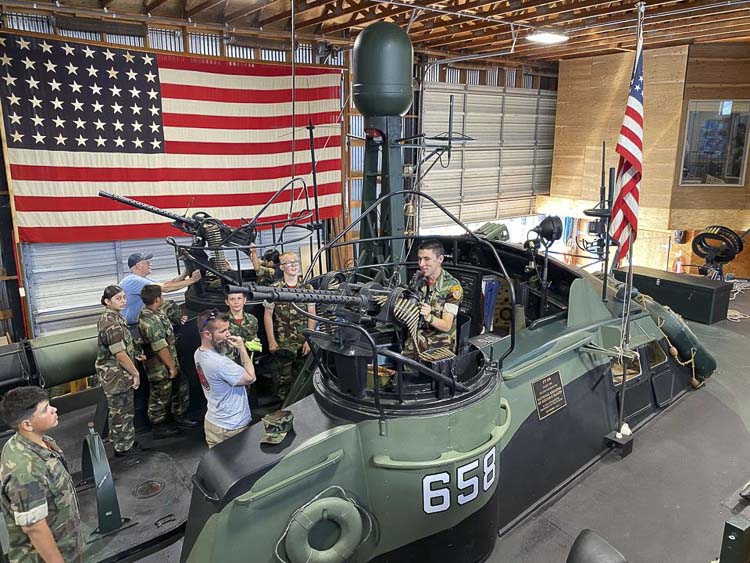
{"type": "Point", "coordinates": [337, 510]}
{"type": "Point", "coordinates": [680, 336]}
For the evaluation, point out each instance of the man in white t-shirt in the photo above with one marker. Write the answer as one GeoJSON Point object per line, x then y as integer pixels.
{"type": "Point", "coordinates": [223, 381]}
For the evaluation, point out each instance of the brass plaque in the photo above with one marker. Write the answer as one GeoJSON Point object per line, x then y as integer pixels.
{"type": "Point", "coordinates": [549, 395]}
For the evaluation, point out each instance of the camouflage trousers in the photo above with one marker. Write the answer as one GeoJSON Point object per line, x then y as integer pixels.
{"type": "Point", "coordinates": [285, 368]}
{"type": "Point", "coordinates": [121, 430]}
{"type": "Point", "coordinates": [166, 395]}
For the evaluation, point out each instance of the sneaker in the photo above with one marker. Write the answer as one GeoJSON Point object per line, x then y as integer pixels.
{"type": "Point", "coordinates": [185, 422]}
{"type": "Point", "coordinates": [161, 431]}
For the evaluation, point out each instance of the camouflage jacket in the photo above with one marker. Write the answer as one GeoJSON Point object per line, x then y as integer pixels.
{"type": "Point", "coordinates": [113, 337]}
{"type": "Point", "coordinates": [288, 323]}
{"type": "Point", "coordinates": [444, 295]}
{"type": "Point", "coordinates": [36, 485]}
{"type": "Point", "coordinates": [265, 275]}
{"type": "Point", "coordinates": [156, 334]}
{"type": "Point", "coordinates": [247, 329]}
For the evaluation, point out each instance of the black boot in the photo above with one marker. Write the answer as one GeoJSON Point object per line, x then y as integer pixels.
{"type": "Point", "coordinates": [161, 431]}
{"type": "Point", "coordinates": [134, 449]}
{"type": "Point", "coordinates": [185, 422]}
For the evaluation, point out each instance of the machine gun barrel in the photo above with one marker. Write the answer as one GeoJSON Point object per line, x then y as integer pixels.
{"type": "Point", "coordinates": [298, 295]}
{"type": "Point", "coordinates": [182, 222]}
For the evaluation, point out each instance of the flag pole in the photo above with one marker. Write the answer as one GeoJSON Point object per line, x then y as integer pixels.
{"type": "Point", "coordinates": [622, 428]}
{"type": "Point", "coordinates": [626, 337]}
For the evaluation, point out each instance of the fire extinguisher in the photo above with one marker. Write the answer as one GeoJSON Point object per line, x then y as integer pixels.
{"type": "Point", "coordinates": [678, 264]}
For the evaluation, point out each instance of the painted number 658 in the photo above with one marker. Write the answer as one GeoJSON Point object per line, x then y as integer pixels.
{"type": "Point", "coordinates": [436, 494]}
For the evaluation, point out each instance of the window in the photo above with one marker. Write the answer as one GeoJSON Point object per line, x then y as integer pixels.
{"type": "Point", "coordinates": [634, 370]}
{"type": "Point", "coordinates": [716, 141]}
{"type": "Point", "coordinates": [655, 355]}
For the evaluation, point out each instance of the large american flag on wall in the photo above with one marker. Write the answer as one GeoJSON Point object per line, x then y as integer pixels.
{"type": "Point", "coordinates": [178, 132]}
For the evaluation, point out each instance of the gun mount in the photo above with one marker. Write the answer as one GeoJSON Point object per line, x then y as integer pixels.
{"type": "Point", "coordinates": [206, 231]}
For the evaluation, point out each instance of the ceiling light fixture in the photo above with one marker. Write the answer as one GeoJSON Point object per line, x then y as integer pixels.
{"type": "Point", "coordinates": [546, 37]}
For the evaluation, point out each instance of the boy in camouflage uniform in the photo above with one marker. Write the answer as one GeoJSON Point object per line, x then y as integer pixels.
{"type": "Point", "coordinates": [241, 324]}
{"type": "Point", "coordinates": [38, 497]}
{"type": "Point", "coordinates": [167, 384]}
{"type": "Point", "coordinates": [115, 369]}
{"type": "Point", "coordinates": [284, 325]}
{"type": "Point", "coordinates": [441, 295]}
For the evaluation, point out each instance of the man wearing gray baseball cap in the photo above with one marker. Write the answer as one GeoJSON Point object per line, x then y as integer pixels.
{"type": "Point", "coordinates": [140, 268]}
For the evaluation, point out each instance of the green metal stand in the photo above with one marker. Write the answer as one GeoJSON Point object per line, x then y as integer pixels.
{"type": "Point", "coordinates": [95, 470]}
{"type": "Point", "coordinates": [383, 174]}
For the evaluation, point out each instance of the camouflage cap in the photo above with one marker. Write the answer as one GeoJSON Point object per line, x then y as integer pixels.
{"type": "Point", "coordinates": [277, 425]}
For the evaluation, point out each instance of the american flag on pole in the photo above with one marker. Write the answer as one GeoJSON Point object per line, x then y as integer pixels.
{"type": "Point", "coordinates": [624, 225]}
{"type": "Point", "coordinates": [178, 132]}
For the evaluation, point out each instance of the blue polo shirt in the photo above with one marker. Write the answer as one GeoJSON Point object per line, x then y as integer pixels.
{"type": "Point", "coordinates": [132, 284]}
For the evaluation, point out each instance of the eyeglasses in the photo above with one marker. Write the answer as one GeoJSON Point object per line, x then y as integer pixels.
{"type": "Point", "coordinates": [211, 316]}
{"type": "Point", "coordinates": [294, 263]}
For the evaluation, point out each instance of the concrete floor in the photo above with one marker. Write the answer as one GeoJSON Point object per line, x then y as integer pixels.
{"type": "Point", "coordinates": [666, 502]}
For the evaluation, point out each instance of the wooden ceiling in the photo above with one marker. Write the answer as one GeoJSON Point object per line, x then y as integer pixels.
{"type": "Point", "coordinates": [452, 28]}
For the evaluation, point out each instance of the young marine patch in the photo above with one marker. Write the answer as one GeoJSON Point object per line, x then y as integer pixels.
{"type": "Point", "coordinates": [457, 292]}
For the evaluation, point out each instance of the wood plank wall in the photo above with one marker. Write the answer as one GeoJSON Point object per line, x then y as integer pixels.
{"type": "Point", "coordinates": [590, 104]}
{"type": "Point", "coordinates": [714, 72]}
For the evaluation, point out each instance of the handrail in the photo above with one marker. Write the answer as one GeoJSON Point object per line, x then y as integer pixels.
{"type": "Point", "coordinates": [330, 460]}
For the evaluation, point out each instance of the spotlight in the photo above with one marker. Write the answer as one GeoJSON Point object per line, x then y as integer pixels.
{"type": "Point", "coordinates": [550, 229]}
{"type": "Point", "coordinates": [546, 37]}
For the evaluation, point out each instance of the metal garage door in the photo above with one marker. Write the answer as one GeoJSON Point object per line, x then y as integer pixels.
{"type": "Point", "coordinates": [510, 161]}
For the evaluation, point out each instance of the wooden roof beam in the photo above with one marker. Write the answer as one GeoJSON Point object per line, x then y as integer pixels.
{"type": "Point", "coordinates": [379, 11]}
{"type": "Point", "coordinates": [623, 35]}
{"type": "Point", "coordinates": [301, 7]}
{"type": "Point", "coordinates": [662, 22]}
{"type": "Point", "coordinates": [562, 24]}
{"type": "Point", "coordinates": [522, 15]}
{"type": "Point", "coordinates": [353, 9]}
{"type": "Point", "coordinates": [151, 6]}
{"type": "Point", "coordinates": [247, 12]}
{"type": "Point", "coordinates": [396, 11]}
{"type": "Point", "coordinates": [707, 32]}
{"type": "Point", "coordinates": [203, 6]}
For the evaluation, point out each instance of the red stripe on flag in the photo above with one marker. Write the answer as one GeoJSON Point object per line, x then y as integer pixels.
{"type": "Point", "coordinates": [628, 156]}
{"type": "Point", "coordinates": [81, 174]}
{"type": "Point", "coordinates": [235, 96]}
{"type": "Point", "coordinates": [126, 232]}
{"type": "Point", "coordinates": [185, 147]}
{"type": "Point", "coordinates": [245, 123]}
{"type": "Point", "coordinates": [238, 68]}
{"type": "Point", "coordinates": [634, 138]}
{"type": "Point", "coordinates": [67, 204]}
{"type": "Point", "coordinates": [633, 114]}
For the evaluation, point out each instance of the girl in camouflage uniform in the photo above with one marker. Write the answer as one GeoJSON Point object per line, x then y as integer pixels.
{"type": "Point", "coordinates": [117, 373]}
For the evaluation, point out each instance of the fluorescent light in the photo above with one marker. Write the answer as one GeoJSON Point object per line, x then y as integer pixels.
{"type": "Point", "coordinates": [547, 37]}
